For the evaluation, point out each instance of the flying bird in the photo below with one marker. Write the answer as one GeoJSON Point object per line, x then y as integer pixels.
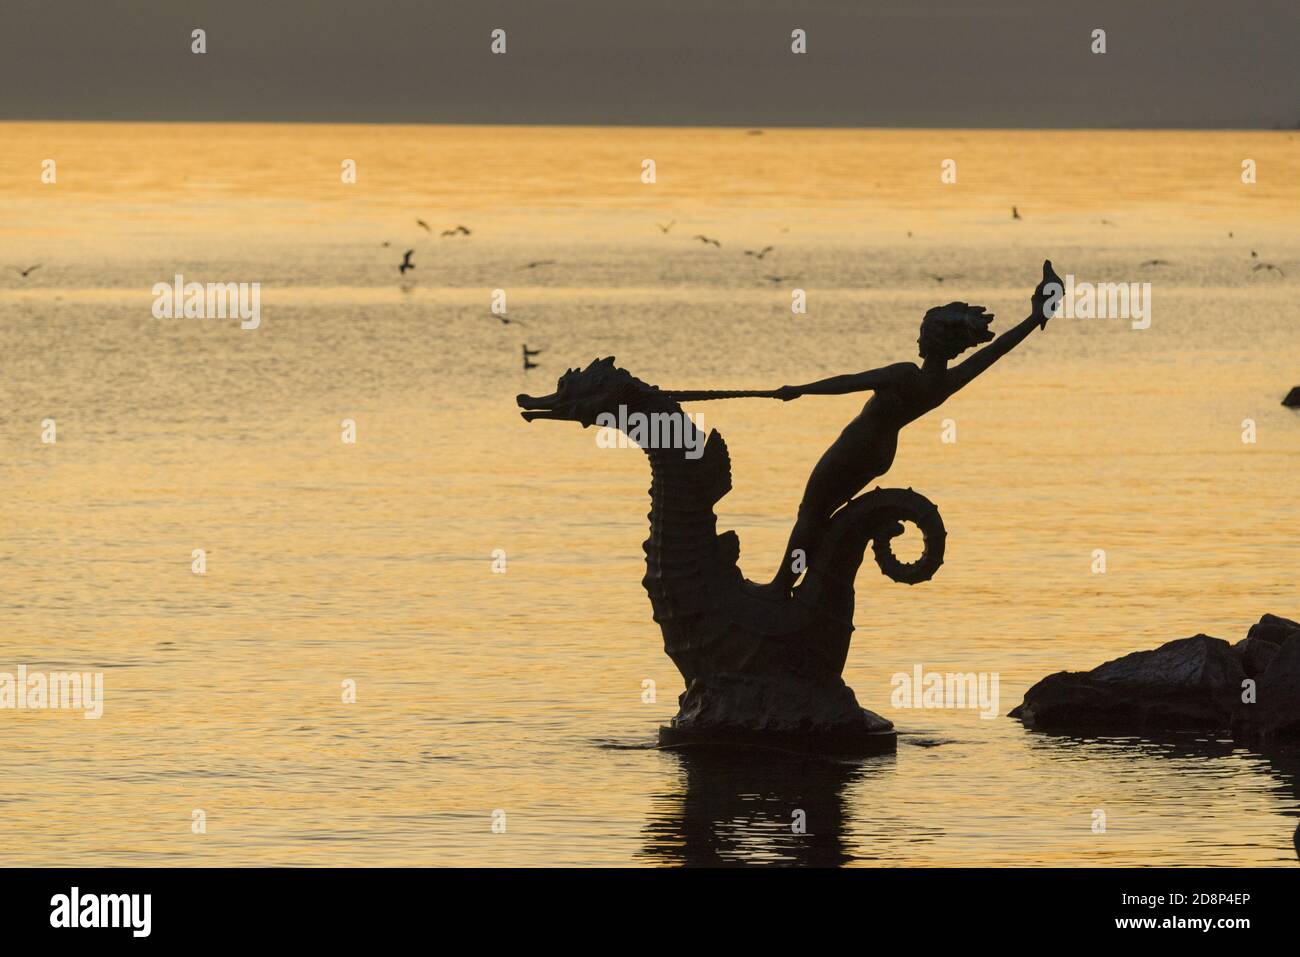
{"type": "Point", "coordinates": [29, 269]}
{"type": "Point", "coordinates": [528, 353]}
{"type": "Point", "coordinates": [1156, 262]}
{"type": "Point", "coordinates": [385, 244]}
{"type": "Point", "coordinates": [505, 322]}
{"type": "Point", "coordinates": [1015, 213]}
{"type": "Point", "coordinates": [706, 240]}
{"type": "Point", "coordinates": [761, 253]}
{"type": "Point", "coordinates": [777, 278]}
{"type": "Point", "coordinates": [1263, 265]}
{"type": "Point", "coordinates": [458, 231]}
{"type": "Point", "coordinates": [1107, 222]}
{"type": "Point", "coordinates": [664, 227]}
{"type": "Point", "coordinates": [423, 225]}
{"type": "Point", "coordinates": [540, 262]}
{"type": "Point", "coordinates": [406, 262]}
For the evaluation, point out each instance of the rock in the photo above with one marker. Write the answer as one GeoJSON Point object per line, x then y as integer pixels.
{"type": "Point", "coordinates": [1189, 683]}
{"type": "Point", "coordinates": [1275, 629]}
{"type": "Point", "coordinates": [1275, 714]}
{"type": "Point", "coordinates": [1292, 399]}
{"type": "Point", "coordinates": [793, 712]}
{"type": "Point", "coordinates": [1255, 655]}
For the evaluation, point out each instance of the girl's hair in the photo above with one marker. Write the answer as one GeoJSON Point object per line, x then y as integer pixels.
{"type": "Point", "coordinates": [949, 330]}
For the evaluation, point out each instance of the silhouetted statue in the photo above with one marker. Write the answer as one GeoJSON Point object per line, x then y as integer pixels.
{"type": "Point", "coordinates": [762, 665]}
{"type": "Point", "coordinates": [903, 393]}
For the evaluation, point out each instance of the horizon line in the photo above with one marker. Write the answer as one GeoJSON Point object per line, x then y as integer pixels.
{"type": "Point", "coordinates": [655, 125]}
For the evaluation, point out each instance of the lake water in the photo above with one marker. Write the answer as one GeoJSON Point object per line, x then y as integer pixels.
{"type": "Point", "coordinates": [521, 693]}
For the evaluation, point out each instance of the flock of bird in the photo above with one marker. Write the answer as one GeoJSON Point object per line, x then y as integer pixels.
{"type": "Point", "coordinates": [528, 354]}
{"type": "Point", "coordinates": [454, 232]}
{"type": "Point", "coordinates": [406, 263]}
{"type": "Point", "coordinates": [757, 254]}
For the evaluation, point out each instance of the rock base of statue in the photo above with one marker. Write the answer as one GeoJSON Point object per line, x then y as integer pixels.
{"type": "Point", "coordinates": [789, 713]}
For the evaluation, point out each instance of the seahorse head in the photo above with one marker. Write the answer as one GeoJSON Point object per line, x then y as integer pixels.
{"type": "Point", "coordinates": [582, 395]}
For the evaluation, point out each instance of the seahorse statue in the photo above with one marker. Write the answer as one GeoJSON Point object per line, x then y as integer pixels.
{"type": "Point", "coordinates": [758, 670]}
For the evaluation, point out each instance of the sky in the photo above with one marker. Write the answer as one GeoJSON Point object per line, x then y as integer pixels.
{"type": "Point", "coordinates": [869, 63]}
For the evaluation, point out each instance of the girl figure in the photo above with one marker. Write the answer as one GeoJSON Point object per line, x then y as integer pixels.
{"type": "Point", "coordinates": [903, 393]}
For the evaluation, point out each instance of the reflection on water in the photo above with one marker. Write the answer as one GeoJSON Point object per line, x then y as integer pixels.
{"type": "Point", "coordinates": [755, 807]}
{"type": "Point", "coordinates": [1194, 754]}
{"type": "Point", "coordinates": [734, 808]}
{"type": "Point", "coordinates": [1286, 765]}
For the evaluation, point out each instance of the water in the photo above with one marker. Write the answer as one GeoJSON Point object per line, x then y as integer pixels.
{"type": "Point", "coordinates": [522, 692]}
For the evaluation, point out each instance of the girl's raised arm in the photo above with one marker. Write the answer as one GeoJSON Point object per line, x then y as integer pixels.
{"type": "Point", "coordinates": [1043, 306]}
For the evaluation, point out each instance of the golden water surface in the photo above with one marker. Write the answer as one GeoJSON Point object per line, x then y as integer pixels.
{"type": "Point", "coordinates": [522, 693]}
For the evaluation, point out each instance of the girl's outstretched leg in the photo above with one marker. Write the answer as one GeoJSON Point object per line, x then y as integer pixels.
{"type": "Point", "coordinates": [804, 539]}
